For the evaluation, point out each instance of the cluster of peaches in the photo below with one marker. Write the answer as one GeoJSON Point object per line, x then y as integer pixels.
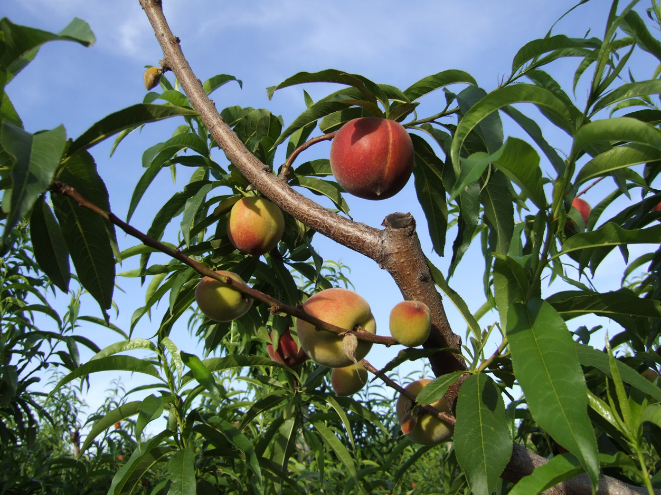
{"type": "Point", "coordinates": [370, 158]}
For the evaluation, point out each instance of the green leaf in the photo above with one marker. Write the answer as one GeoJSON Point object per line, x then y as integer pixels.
{"type": "Point", "coordinates": [143, 183]}
{"type": "Point", "coordinates": [202, 374]}
{"type": "Point", "coordinates": [115, 416]}
{"type": "Point", "coordinates": [547, 368]}
{"type": "Point", "coordinates": [322, 187]}
{"type": "Point", "coordinates": [456, 299]}
{"type": "Point", "coordinates": [35, 157]}
{"type": "Point", "coordinates": [626, 91]}
{"type": "Point", "coordinates": [482, 437]}
{"type": "Point", "coordinates": [616, 159]}
{"type": "Point", "coordinates": [89, 237]}
{"type": "Point", "coordinates": [616, 129]}
{"type": "Point", "coordinates": [234, 361]}
{"type": "Point", "coordinates": [312, 114]}
{"type": "Point", "coordinates": [340, 412]}
{"type": "Point", "coordinates": [510, 282]}
{"type": "Point", "coordinates": [110, 363]}
{"type": "Point", "coordinates": [120, 480]}
{"type": "Point", "coordinates": [263, 405]}
{"type": "Point", "coordinates": [123, 346]}
{"type": "Point", "coordinates": [287, 283]}
{"type": "Point", "coordinates": [132, 116]}
{"type": "Point", "coordinates": [150, 408]}
{"type": "Point", "coordinates": [498, 212]}
{"type": "Point", "coordinates": [50, 248]}
{"type": "Point", "coordinates": [469, 210]}
{"type": "Point", "coordinates": [519, 93]}
{"type": "Point", "coordinates": [7, 110]}
{"type": "Point", "coordinates": [22, 43]}
{"type": "Point", "coordinates": [571, 304]}
{"type": "Point", "coordinates": [319, 167]}
{"type": "Point", "coordinates": [340, 450]}
{"type": "Point", "coordinates": [635, 26]}
{"type": "Point", "coordinates": [441, 79]}
{"type": "Point", "coordinates": [182, 473]}
{"type": "Point", "coordinates": [560, 468]}
{"type": "Point", "coordinates": [535, 48]}
{"type": "Point", "coordinates": [370, 90]}
{"type": "Point", "coordinates": [190, 211]}
{"type": "Point", "coordinates": [652, 414]}
{"type": "Point", "coordinates": [535, 132]}
{"type": "Point", "coordinates": [237, 439]}
{"type": "Point", "coordinates": [215, 82]}
{"type": "Point", "coordinates": [436, 389]}
{"type": "Point", "coordinates": [610, 234]}
{"type": "Point", "coordinates": [335, 120]}
{"type": "Point", "coordinates": [588, 356]}
{"type": "Point", "coordinates": [430, 191]}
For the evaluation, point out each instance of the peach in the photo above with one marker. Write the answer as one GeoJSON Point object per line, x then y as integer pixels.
{"type": "Point", "coordinates": [372, 158]}
{"type": "Point", "coordinates": [410, 323]}
{"type": "Point", "coordinates": [255, 225]}
{"type": "Point", "coordinates": [152, 77]}
{"type": "Point", "coordinates": [349, 379]}
{"type": "Point", "coordinates": [340, 307]}
{"type": "Point", "coordinates": [428, 429]}
{"type": "Point", "coordinates": [583, 208]}
{"type": "Point", "coordinates": [219, 301]}
{"type": "Point", "coordinates": [657, 208]}
{"type": "Point", "coordinates": [288, 353]}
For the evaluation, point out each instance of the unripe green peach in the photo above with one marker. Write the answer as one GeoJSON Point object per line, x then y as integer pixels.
{"type": "Point", "coordinates": [152, 77]}
{"type": "Point", "coordinates": [349, 379]}
{"type": "Point", "coordinates": [255, 225]}
{"type": "Point", "coordinates": [372, 158]}
{"type": "Point", "coordinates": [221, 302]}
{"type": "Point", "coordinates": [340, 307]}
{"type": "Point", "coordinates": [410, 323]}
{"type": "Point", "coordinates": [428, 429]}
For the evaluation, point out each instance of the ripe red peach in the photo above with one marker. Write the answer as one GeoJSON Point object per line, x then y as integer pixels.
{"type": "Point", "coordinates": [657, 208]}
{"type": "Point", "coordinates": [428, 429]}
{"type": "Point", "coordinates": [349, 379]}
{"type": "Point", "coordinates": [288, 353]}
{"type": "Point", "coordinates": [372, 158]}
{"type": "Point", "coordinates": [221, 302]}
{"type": "Point", "coordinates": [340, 307]}
{"type": "Point", "coordinates": [583, 208]}
{"type": "Point", "coordinates": [410, 323]}
{"type": "Point", "coordinates": [255, 225]}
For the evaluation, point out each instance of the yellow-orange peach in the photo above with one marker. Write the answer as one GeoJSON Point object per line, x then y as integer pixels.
{"type": "Point", "coordinates": [255, 225]}
{"type": "Point", "coordinates": [410, 323]}
{"type": "Point", "coordinates": [428, 429]}
{"type": "Point", "coordinates": [349, 379]}
{"type": "Point", "coordinates": [340, 307]}
{"type": "Point", "coordinates": [221, 302]}
{"type": "Point", "coordinates": [372, 158]}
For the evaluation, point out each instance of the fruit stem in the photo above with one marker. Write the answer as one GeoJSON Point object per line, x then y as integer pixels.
{"type": "Point", "coordinates": [590, 187]}
{"type": "Point", "coordinates": [284, 171]}
{"type": "Point", "coordinates": [60, 187]}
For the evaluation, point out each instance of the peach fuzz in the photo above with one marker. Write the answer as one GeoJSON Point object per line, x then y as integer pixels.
{"type": "Point", "coordinates": [255, 225]}
{"type": "Point", "coordinates": [287, 353]}
{"type": "Point", "coordinates": [583, 208]}
{"type": "Point", "coordinates": [220, 302]}
{"type": "Point", "coordinates": [410, 323]}
{"type": "Point", "coordinates": [372, 158]}
{"type": "Point", "coordinates": [340, 307]}
{"type": "Point", "coordinates": [428, 430]}
{"type": "Point", "coordinates": [349, 379]}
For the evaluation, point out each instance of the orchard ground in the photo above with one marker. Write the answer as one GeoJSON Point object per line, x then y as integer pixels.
{"type": "Point", "coordinates": [263, 43]}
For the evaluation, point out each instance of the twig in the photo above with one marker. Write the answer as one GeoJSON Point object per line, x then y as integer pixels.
{"type": "Point", "coordinates": [275, 305]}
{"type": "Point", "coordinates": [445, 417]}
{"type": "Point", "coordinates": [590, 186]}
{"type": "Point", "coordinates": [284, 171]}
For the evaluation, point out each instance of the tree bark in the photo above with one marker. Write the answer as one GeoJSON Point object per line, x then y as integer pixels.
{"type": "Point", "coordinates": [396, 248]}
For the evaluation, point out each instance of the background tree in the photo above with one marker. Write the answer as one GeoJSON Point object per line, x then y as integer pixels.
{"type": "Point", "coordinates": [222, 437]}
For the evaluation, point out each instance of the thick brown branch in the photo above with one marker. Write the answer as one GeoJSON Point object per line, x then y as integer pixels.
{"type": "Point", "coordinates": [284, 172]}
{"type": "Point", "coordinates": [276, 306]}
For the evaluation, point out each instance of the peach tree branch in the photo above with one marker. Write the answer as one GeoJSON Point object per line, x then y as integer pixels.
{"type": "Point", "coordinates": [284, 171]}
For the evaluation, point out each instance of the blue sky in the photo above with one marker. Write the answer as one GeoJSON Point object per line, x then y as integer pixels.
{"type": "Point", "coordinates": [262, 43]}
